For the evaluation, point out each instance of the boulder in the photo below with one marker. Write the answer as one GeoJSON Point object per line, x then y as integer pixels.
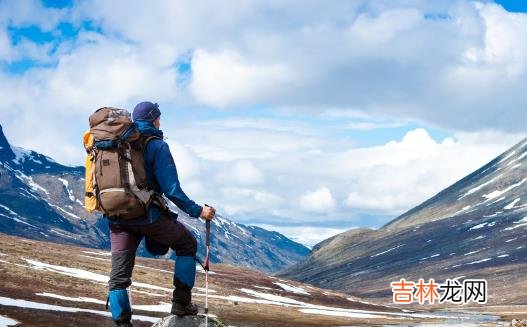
{"type": "Point", "coordinates": [188, 321]}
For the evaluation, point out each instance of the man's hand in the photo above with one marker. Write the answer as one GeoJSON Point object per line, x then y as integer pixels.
{"type": "Point", "coordinates": [207, 213]}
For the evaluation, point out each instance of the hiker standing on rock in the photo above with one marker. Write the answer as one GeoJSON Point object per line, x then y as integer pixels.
{"type": "Point", "coordinates": [158, 225]}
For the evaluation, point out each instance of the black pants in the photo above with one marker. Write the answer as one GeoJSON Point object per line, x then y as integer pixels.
{"type": "Point", "coordinates": [125, 240]}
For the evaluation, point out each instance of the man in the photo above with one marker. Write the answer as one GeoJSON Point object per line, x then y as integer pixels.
{"type": "Point", "coordinates": [158, 226]}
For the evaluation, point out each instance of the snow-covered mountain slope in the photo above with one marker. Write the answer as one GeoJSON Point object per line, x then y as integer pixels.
{"type": "Point", "coordinates": [497, 188]}
{"type": "Point", "coordinates": [473, 229]}
{"type": "Point", "coordinates": [42, 199]}
{"type": "Point", "coordinates": [242, 245]}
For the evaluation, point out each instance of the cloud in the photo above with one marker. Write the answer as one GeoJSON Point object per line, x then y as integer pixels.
{"type": "Point", "coordinates": [319, 201]}
{"type": "Point", "coordinates": [323, 73]}
{"type": "Point", "coordinates": [453, 64]}
{"type": "Point", "coordinates": [31, 13]}
{"type": "Point", "coordinates": [100, 71]}
{"type": "Point", "coordinates": [244, 172]}
{"type": "Point", "coordinates": [225, 79]}
{"type": "Point", "coordinates": [262, 170]}
{"type": "Point", "coordinates": [307, 235]}
{"type": "Point", "coordinates": [401, 174]}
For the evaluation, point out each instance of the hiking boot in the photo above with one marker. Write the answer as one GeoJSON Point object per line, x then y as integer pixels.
{"type": "Point", "coordinates": [184, 310]}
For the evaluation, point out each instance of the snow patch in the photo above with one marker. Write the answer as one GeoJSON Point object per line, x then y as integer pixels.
{"type": "Point", "coordinates": [6, 321]}
{"type": "Point", "coordinates": [156, 269]}
{"type": "Point", "coordinates": [161, 307]}
{"type": "Point", "coordinates": [519, 223]}
{"type": "Point", "coordinates": [58, 232]}
{"type": "Point", "coordinates": [292, 289]}
{"type": "Point", "coordinates": [479, 261]}
{"type": "Point", "coordinates": [73, 299]}
{"type": "Point", "coordinates": [512, 204]}
{"type": "Point", "coordinates": [107, 254]}
{"type": "Point", "coordinates": [66, 185]}
{"type": "Point", "coordinates": [389, 250]}
{"type": "Point", "coordinates": [430, 257]}
{"type": "Point", "coordinates": [507, 157]}
{"type": "Point", "coordinates": [94, 258]}
{"type": "Point", "coordinates": [16, 216]}
{"type": "Point", "coordinates": [20, 154]}
{"type": "Point", "coordinates": [64, 211]}
{"type": "Point", "coordinates": [30, 182]}
{"type": "Point", "coordinates": [84, 274]}
{"type": "Point", "coordinates": [472, 252]}
{"type": "Point", "coordinates": [496, 194]}
{"type": "Point", "coordinates": [463, 209]}
{"type": "Point", "coordinates": [479, 187]}
{"type": "Point", "coordinates": [478, 226]}
{"type": "Point", "coordinates": [43, 306]}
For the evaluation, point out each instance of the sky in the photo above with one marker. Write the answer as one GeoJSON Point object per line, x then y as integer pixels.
{"type": "Point", "coordinates": [299, 116]}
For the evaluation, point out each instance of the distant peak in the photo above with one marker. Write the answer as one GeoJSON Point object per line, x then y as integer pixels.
{"type": "Point", "coordinates": [6, 153]}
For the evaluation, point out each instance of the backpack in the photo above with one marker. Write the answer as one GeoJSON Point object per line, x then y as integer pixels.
{"type": "Point", "coordinates": [116, 181]}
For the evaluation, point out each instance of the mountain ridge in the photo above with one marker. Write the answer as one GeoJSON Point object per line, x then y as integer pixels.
{"type": "Point", "coordinates": [474, 228]}
{"type": "Point", "coordinates": [461, 184]}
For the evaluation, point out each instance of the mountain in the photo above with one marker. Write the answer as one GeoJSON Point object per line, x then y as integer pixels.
{"type": "Point", "coordinates": [473, 229]}
{"type": "Point", "coordinates": [43, 200]}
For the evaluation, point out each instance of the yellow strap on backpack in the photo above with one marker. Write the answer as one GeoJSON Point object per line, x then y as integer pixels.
{"type": "Point", "coordinates": [90, 200]}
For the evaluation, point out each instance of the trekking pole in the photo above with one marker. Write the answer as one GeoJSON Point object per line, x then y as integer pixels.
{"type": "Point", "coordinates": [207, 243]}
{"type": "Point", "coordinates": [129, 291]}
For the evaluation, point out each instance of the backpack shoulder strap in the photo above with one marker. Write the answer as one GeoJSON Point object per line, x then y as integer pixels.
{"type": "Point", "coordinates": [145, 139]}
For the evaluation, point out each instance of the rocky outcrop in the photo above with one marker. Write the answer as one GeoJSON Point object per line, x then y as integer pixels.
{"type": "Point", "coordinates": [188, 321]}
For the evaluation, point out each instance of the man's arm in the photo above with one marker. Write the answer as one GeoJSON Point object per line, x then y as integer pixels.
{"type": "Point", "coordinates": [166, 175]}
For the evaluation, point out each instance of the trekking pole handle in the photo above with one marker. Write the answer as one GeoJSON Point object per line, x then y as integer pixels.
{"type": "Point", "coordinates": [207, 227]}
{"type": "Point", "coordinates": [207, 235]}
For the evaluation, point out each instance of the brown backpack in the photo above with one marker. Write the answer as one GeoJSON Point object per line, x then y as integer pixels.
{"type": "Point", "coordinates": [117, 163]}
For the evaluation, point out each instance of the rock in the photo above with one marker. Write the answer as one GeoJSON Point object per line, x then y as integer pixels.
{"type": "Point", "coordinates": [188, 321]}
{"type": "Point", "coordinates": [518, 323]}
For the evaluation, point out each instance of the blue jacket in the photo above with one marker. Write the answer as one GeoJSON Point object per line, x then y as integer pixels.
{"type": "Point", "coordinates": [162, 176]}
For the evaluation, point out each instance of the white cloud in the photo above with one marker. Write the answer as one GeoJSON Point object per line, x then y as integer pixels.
{"type": "Point", "coordinates": [319, 201]}
{"type": "Point", "coordinates": [189, 165]}
{"type": "Point", "coordinates": [31, 12]}
{"type": "Point", "coordinates": [401, 174]}
{"type": "Point", "coordinates": [368, 126]}
{"type": "Point", "coordinates": [246, 202]}
{"type": "Point", "coordinates": [301, 171]}
{"type": "Point", "coordinates": [225, 79]}
{"type": "Point", "coordinates": [306, 235]}
{"type": "Point", "coordinates": [244, 172]}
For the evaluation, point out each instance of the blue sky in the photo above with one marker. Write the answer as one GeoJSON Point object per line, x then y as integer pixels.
{"type": "Point", "coordinates": [513, 5]}
{"type": "Point", "coordinates": [288, 116]}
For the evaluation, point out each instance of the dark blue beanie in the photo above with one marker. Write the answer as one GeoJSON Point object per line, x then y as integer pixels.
{"type": "Point", "coordinates": [146, 111]}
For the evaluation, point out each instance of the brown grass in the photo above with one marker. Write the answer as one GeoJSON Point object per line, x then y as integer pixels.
{"type": "Point", "coordinates": [22, 282]}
